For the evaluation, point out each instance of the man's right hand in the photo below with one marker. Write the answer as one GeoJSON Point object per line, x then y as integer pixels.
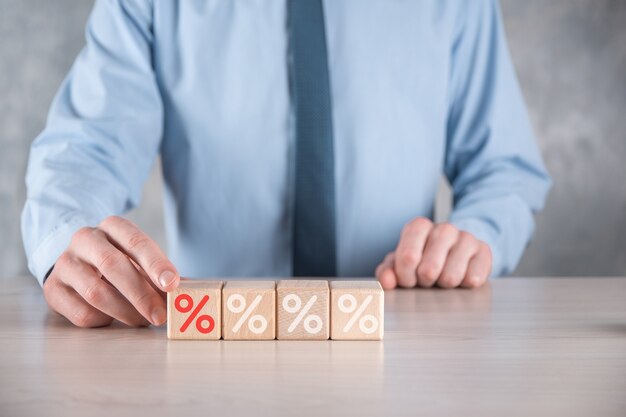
{"type": "Point", "coordinates": [113, 271]}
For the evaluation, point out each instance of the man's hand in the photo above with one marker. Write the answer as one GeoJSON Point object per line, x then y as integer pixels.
{"type": "Point", "coordinates": [430, 254]}
{"type": "Point", "coordinates": [113, 271]}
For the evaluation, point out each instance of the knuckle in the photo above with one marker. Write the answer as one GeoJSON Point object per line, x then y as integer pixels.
{"type": "Point", "coordinates": [99, 234]}
{"type": "Point", "coordinates": [142, 301]}
{"type": "Point", "coordinates": [158, 265]}
{"type": "Point", "coordinates": [419, 223]}
{"type": "Point", "coordinates": [83, 317]}
{"type": "Point", "coordinates": [82, 235]}
{"type": "Point", "coordinates": [64, 261]}
{"type": "Point", "coordinates": [448, 280]}
{"type": "Point", "coordinates": [468, 239]}
{"type": "Point", "coordinates": [108, 259]}
{"type": "Point", "coordinates": [407, 281]}
{"type": "Point", "coordinates": [408, 258]}
{"type": "Point", "coordinates": [95, 294]}
{"type": "Point", "coordinates": [138, 240]}
{"type": "Point", "coordinates": [69, 262]}
{"type": "Point", "coordinates": [475, 281]}
{"type": "Point", "coordinates": [422, 222]}
{"type": "Point", "coordinates": [429, 270]}
{"type": "Point", "coordinates": [445, 229]}
{"type": "Point", "coordinates": [111, 221]}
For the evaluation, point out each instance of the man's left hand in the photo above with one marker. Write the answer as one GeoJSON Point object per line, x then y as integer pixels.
{"type": "Point", "coordinates": [435, 254]}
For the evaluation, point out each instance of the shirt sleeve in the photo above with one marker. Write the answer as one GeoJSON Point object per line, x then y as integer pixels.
{"type": "Point", "coordinates": [492, 161]}
{"type": "Point", "coordinates": [102, 134]}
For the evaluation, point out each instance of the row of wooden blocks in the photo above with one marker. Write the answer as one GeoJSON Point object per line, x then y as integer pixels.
{"type": "Point", "coordinates": [284, 310]}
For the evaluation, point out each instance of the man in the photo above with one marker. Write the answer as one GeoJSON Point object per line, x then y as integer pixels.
{"type": "Point", "coordinates": [296, 138]}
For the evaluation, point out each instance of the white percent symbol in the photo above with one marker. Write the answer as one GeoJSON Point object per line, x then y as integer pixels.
{"type": "Point", "coordinates": [293, 304]}
{"type": "Point", "coordinates": [348, 304]}
{"type": "Point", "coordinates": [236, 303]}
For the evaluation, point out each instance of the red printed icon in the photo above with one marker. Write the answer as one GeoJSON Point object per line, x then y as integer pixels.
{"type": "Point", "coordinates": [184, 304]}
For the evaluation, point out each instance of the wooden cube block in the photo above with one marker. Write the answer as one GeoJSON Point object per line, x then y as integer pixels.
{"type": "Point", "coordinates": [302, 309]}
{"type": "Point", "coordinates": [356, 310]}
{"type": "Point", "coordinates": [194, 310]}
{"type": "Point", "coordinates": [249, 310]}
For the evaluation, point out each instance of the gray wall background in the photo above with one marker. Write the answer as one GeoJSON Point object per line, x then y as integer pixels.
{"type": "Point", "coordinates": [571, 60]}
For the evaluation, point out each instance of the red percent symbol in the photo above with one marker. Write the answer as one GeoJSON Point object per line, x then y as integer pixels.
{"type": "Point", "coordinates": [186, 298]}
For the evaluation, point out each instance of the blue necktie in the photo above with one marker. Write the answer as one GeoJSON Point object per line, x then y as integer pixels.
{"type": "Point", "coordinates": [314, 251]}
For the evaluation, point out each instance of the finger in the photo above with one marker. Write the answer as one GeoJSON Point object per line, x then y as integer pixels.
{"type": "Point", "coordinates": [409, 251]}
{"type": "Point", "coordinates": [97, 292]}
{"type": "Point", "coordinates": [141, 249]}
{"type": "Point", "coordinates": [92, 246]}
{"type": "Point", "coordinates": [479, 268]}
{"type": "Point", "coordinates": [458, 260]}
{"type": "Point", "coordinates": [145, 276]}
{"type": "Point", "coordinates": [70, 305]}
{"type": "Point", "coordinates": [440, 241]}
{"type": "Point", "coordinates": [385, 273]}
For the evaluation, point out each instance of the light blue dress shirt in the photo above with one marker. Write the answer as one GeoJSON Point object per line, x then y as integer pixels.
{"type": "Point", "coordinates": [418, 88]}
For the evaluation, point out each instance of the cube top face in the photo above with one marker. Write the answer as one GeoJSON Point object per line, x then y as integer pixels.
{"type": "Point", "coordinates": [302, 310]}
{"type": "Point", "coordinates": [249, 310]}
{"type": "Point", "coordinates": [260, 285]}
{"type": "Point", "coordinates": [312, 284]}
{"type": "Point", "coordinates": [201, 283]}
{"type": "Point", "coordinates": [357, 310]}
{"type": "Point", "coordinates": [362, 285]}
{"type": "Point", "coordinates": [194, 310]}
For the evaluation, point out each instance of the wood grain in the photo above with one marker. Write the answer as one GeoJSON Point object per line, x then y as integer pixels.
{"type": "Point", "coordinates": [292, 298]}
{"type": "Point", "coordinates": [515, 347]}
{"type": "Point", "coordinates": [249, 310]}
{"type": "Point", "coordinates": [210, 315]}
{"type": "Point", "coordinates": [357, 310]}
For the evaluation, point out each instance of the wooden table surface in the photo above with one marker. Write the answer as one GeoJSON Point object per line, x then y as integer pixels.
{"type": "Point", "coordinates": [516, 347]}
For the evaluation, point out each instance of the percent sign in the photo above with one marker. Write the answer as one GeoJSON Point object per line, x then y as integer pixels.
{"type": "Point", "coordinates": [348, 304]}
{"type": "Point", "coordinates": [188, 301]}
{"type": "Point", "coordinates": [236, 303]}
{"type": "Point", "coordinates": [297, 308]}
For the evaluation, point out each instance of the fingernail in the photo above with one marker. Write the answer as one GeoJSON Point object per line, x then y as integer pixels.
{"type": "Point", "coordinates": [166, 278]}
{"type": "Point", "coordinates": [158, 316]}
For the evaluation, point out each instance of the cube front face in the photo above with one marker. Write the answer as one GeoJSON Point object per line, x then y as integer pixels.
{"type": "Point", "coordinates": [194, 311]}
{"type": "Point", "coordinates": [302, 310]}
{"type": "Point", "coordinates": [249, 310]}
{"type": "Point", "coordinates": [357, 310]}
